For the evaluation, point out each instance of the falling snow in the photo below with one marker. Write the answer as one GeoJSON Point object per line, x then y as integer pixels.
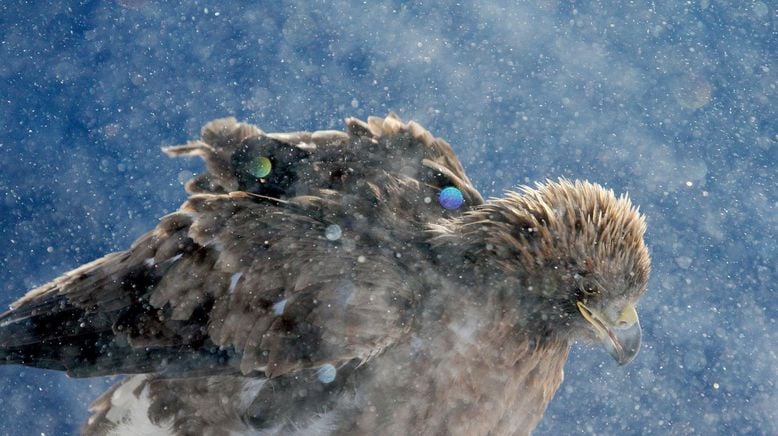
{"type": "Point", "coordinates": [673, 102]}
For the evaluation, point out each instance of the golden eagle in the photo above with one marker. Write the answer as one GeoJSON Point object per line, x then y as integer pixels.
{"type": "Point", "coordinates": [341, 283]}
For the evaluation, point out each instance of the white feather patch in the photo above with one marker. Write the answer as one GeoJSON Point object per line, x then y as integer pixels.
{"type": "Point", "coordinates": [249, 392]}
{"type": "Point", "coordinates": [131, 413]}
{"type": "Point", "coordinates": [175, 258]}
{"type": "Point", "coordinates": [234, 281]}
{"type": "Point", "coordinates": [278, 308]}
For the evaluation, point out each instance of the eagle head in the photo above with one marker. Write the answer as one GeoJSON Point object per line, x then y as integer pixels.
{"type": "Point", "coordinates": [570, 255]}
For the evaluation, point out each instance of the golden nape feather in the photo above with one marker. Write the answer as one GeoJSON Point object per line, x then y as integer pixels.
{"type": "Point", "coordinates": [348, 282]}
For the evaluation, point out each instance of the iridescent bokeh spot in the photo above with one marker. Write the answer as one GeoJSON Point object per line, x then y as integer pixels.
{"type": "Point", "coordinates": [260, 167]}
{"type": "Point", "coordinates": [451, 198]}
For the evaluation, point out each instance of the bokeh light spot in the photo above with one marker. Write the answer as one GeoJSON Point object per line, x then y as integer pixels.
{"type": "Point", "coordinates": [260, 167]}
{"type": "Point", "coordinates": [333, 232]}
{"type": "Point", "coordinates": [326, 373]}
{"type": "Point", "coordinates": [451, 198]}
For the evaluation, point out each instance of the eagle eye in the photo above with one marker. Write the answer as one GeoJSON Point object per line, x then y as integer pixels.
{"type": "Point", "coordinates": [589, 289]}
{"type": "Point", "coordinates": [586, 287]}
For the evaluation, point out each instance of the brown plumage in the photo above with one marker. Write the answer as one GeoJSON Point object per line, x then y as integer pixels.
{"type": "Point", "coordinates": [334, 294]}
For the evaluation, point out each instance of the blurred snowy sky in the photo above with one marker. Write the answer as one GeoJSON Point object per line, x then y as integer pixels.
{"type": "Point", "coordinates": [674, 102]}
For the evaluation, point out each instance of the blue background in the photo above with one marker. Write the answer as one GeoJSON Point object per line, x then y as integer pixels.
{"type": "Point", "coordinates": [674, 102]}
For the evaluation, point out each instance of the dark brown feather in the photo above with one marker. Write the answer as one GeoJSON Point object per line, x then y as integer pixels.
{"type": "Point", "coordinates": [341, 260]}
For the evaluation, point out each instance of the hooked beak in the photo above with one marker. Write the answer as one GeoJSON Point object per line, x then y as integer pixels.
{"type": "Point", "coordinates": [622, 337]}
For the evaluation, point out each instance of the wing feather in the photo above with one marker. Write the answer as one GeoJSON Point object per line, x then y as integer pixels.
{"type": "Point", "coordinates": [315, 261]}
